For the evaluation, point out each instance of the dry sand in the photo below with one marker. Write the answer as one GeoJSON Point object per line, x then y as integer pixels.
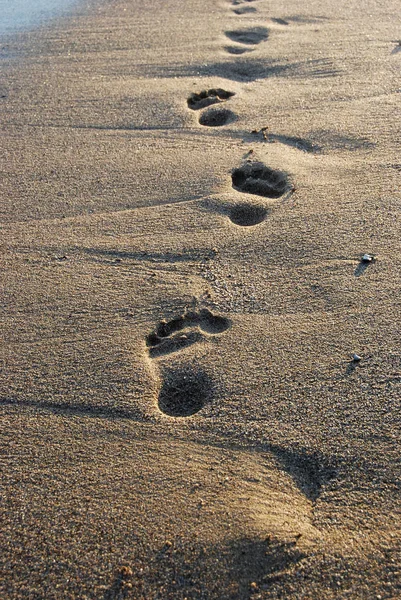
{"type": "Point", "coordinates": [181, 414]}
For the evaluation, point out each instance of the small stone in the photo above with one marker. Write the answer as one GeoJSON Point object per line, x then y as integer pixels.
{"type": "Point", "coordinates": [367, 258]}
{"type": "Point", "coordinates": [356, 357]}
{"type": "Point", "coordinates": [126, 571]}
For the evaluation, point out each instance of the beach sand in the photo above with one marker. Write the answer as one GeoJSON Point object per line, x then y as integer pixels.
{"type": "Point", "coordinates": [183, 415]}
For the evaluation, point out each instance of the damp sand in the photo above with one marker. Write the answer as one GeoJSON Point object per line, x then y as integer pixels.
{"type": "Point", "coordinates": [187, 195]}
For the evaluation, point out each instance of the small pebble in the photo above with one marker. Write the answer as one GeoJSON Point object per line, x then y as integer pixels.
{"type": "Point", "coordinates": [367, 258]}
{"type": "Point", "coordinates": [356, 357]}
{"type": "Point", "coordinates": [126, 571]}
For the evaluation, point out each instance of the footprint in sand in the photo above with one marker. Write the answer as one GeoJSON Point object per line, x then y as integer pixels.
{"type": "Point", "coordinates": [243, 10]}
{"type": "Point", "coordinates": [237, 49]}
{"type": "Point", "coordinates": [164, 341]}
{"type": "Point", "coordinates": [247, 215]}
{"type": "Point", "coordinates": [250, 36]}
{"type": "Point", "coordinates": [217, 117]}
{"type": "Point", "coordinates": [238, 2]}
{"type": "Point", "coordinates": [185, 389]}
{"type": "Point", "coordinates": [205, 98]}
{"type": "Point", "coordinates": [256, 178]}
{"type": "Point", "coordinates": [185, 392]}
{"type": "Point", "coordinates": [213, 117]}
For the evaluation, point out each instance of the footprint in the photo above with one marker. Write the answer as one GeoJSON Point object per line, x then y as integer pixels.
{"type": "Point", "coordinates": [244, 10]}
{"type": "Point", "coordinates": [185, 388]}
{"type": "Point", "coordinates": [163, 341]}
{"type": "Point", "coordinates": [247, 215]}
{"type": "Point", "coordinates": [237, 49]}
{"type": "Point", "coordinates": [249, 35]}
{"type": "Point", "coordinates": [256, 178]}
{"type": "Point", "coordinates": [216, 117]}
{"type": "Point", "coordinates": [205, 98]}
{"type": "Point", "coordinates": [184, 392]}
{"type": "Point", "coordinates": [237, 2]}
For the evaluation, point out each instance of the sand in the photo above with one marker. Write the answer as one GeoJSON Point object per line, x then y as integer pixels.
{"type": "Point", "coordinates": [182, 415]}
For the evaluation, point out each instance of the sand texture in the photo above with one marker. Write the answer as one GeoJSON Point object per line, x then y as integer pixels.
{"type": "Point", "coordinates": [187, 191]}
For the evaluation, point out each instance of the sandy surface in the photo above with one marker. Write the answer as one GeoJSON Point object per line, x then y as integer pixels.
{"type": "Point", "coordinates": [182, 416]}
